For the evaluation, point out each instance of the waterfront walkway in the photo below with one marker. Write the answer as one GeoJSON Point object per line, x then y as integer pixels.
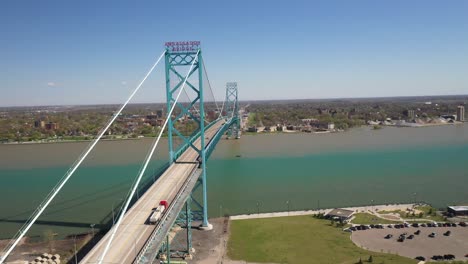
{"type": "Point", "coordinates": [360, 209]}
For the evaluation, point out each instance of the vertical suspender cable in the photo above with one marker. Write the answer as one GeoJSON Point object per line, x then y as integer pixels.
{"type": "Point", "coordinates": [143, 169]}
{"type": "Point", "coordinates": [37, 213]}
{"type": "Point", "coordinates": [209, 85]}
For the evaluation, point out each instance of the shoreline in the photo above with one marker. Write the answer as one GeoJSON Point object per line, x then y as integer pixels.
{"type": "Point", "coordinates": [244, 133]}
{"type": "Point", "coordinates": [384, 207]}
{"type": "Point", "coordinates": [363, 208]}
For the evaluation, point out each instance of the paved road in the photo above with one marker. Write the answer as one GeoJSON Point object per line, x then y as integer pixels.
{"type": "Point", "coordinates": [133, 231]}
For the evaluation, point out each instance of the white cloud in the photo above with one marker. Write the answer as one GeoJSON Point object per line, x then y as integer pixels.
{"type": "Point", "coordinates": [51, 84]}
{"type": "Point", "coordinates": [124, 83]}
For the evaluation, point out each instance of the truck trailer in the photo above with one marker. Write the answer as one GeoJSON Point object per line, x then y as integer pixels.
{"type": "Point", "coordinates": [158, 212]}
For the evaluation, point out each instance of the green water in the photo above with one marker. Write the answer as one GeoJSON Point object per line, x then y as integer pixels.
{"type": "Point", "coordinates": [345, 169]}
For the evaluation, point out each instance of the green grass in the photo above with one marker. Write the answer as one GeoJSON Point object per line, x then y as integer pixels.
{"type": "Point", "coordinates": [425, 209]}
{"type": "Point", "coordinates": [367, 219]}
{"type": "Point", "coordinates": [433, 216]}
{"type": "Point", "coordinates": [298, 239]}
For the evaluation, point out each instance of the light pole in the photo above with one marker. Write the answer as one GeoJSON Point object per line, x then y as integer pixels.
{"type": "Point", "coordinates": [220, 210]}
{"type": "Point", "coordinates": [92, 230]}
{"type": "Point", "coordinates": [258, 207]}
{"type": "Point", "coordinates": [287, 203]}
{"type": "Point", "coordinates": [74, 243]}
{"type": "Point", "coordinates": [113, 215]}
{"type": "Point", "coordinates": [372, 205]}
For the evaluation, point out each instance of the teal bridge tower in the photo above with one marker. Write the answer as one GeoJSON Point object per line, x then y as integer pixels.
{"type": "Point", "coordinates": [177, 62]}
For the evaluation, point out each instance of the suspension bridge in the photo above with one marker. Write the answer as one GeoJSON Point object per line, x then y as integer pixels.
{"type": "Point", "coordinates": [132, 238]}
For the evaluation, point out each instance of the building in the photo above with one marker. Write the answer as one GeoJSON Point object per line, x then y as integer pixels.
{"type": "Point", "coordinates": [51, 126]}
{"type": "Point", "coordinates": [39, 124]}
{"type": "Point", "coordinates": [458, 210]}
{"type": "Point", "coordinates": [461, 113]}
{"type": "Point", "coordinates": [211, 115]}
{"type": "Point", "coordinates": [159, 113]}
{"type": "Point", "coordinates": [409, 114]}
{"type": "Point", "coordinates": [339, 214]}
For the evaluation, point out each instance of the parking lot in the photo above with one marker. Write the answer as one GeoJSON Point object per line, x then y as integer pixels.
{"type": "Point", "coordinates": [421, 245]}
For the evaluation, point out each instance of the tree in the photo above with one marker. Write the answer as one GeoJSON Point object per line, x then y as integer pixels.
{"type": "Point", "coordinates": [370, 259]}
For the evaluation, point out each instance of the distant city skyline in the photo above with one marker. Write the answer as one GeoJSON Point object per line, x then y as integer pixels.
{"type": "Point", "coordinates": [87, 52]}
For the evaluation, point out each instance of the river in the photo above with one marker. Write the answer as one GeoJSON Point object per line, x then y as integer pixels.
{"type": "Point", "coordinates": [255, 173]}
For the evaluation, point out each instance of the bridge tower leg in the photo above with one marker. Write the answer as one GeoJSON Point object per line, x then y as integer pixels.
{"type": "Point", "coordinates": [176, 59]}
{"type": "Point", "coordinates": [232, 108]}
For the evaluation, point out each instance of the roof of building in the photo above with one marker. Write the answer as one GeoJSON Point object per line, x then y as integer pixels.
{"type": "Point", "coordinates": [459, 208]}
{"type": "Point", "coordinates": [340, 212]}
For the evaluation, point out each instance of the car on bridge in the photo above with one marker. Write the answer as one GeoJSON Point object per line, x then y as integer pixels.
{"type": "Point", "coordinates": [158, 212]}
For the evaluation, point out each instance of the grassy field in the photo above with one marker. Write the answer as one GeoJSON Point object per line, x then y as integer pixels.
{"type": "Point", "coordinates": [298, 239]}
{"type": "Point", "coordinates": [367, 219]}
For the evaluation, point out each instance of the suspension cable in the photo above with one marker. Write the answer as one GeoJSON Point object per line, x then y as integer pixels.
{"type": "Point", "coordinates": [194, 106]}
{"type": "Point", "coordinates": [40, 209]}
{"type": "Point", "coordinates": [143, 168]}
{"type": "Point", "coordinates": [209, 85]}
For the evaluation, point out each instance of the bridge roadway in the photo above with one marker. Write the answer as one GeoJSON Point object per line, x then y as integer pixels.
{"type": "Point", "coordinates": [134, 230]}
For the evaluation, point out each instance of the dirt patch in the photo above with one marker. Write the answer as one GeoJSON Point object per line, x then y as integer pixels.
{"type": "Point", "coordinates": [28, 251]}
{"type": "Point", "coordinates": [420, 245]}
{"type": "Point", "coordinates": [209, 246]}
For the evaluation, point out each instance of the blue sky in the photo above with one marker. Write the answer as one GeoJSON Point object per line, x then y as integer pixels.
{"type": "Point", "coordinates": [88, 52]}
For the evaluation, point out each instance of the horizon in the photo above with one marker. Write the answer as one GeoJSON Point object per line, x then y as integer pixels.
{"type": "Point", "coordinates": [260, 100]}
{"type": "Point", "coordinates": [87, 53]}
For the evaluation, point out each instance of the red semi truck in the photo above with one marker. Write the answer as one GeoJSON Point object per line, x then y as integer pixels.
{"type": "Point", "coordinates": [158, 212]}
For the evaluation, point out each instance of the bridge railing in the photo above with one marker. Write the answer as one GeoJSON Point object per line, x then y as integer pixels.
{"type": "Point", "coordinates": [150, 250]}
{"type": "Point", "coordinates": [211, 145]}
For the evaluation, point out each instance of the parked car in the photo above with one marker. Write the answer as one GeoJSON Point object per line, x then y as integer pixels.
{"type": "Point", "coordinates": [449, 257]}
{"type": "Point", "coordinates": [388, 236]}
{"type": "Point", "coordinates": [417, 232]}
{"type": "Point", "coordinates": [432, 234]}
{"type": "Point", "coordinates": [447, 233]}
{"type": "Point", "coordinates": [421, 258]}
{"type": "Point", "coordinates": [462, 224]}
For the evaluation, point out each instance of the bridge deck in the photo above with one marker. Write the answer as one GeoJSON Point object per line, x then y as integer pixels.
{"type": "Point", "coordinates": [134, 230]}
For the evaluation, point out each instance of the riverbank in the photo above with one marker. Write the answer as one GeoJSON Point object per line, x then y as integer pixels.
{"type": "Point", "coordinates": [355, 209]}
{"type": "Point", "coordinates": [245, 133]}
